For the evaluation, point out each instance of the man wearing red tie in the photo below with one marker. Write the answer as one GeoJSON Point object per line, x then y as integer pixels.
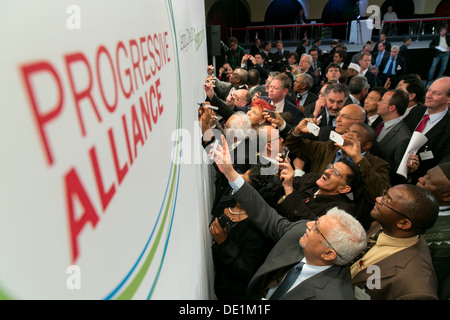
{"type": "Point", "coordinates": [433, 120]}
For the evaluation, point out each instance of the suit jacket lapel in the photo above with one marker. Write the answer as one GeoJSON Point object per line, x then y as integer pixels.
{"type": "Point", "coordinates": [438, 128]}
{"type": "Point", "coordinates": [391, 133]}
{"type": "Point", "coordinates": [388, 266]}
{"type": "Point", "coordinates": [307, 289]}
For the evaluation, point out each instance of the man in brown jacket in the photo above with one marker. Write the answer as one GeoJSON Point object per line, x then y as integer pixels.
{"type": "Point", "coordinates": [398, 264]}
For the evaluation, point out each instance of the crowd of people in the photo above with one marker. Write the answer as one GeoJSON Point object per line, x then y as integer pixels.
{"type": "Point", "coordinates": [332, 181]}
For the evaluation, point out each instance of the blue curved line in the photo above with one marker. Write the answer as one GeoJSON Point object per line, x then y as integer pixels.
{"type": "Point", "coordinates": [115, 290]}
{"type": "Point", "coordinates": [179, 117]}
{"type": "Point", "coordinates": [168, 237]}
{"type": "Point", "coordinates": [179, 157]}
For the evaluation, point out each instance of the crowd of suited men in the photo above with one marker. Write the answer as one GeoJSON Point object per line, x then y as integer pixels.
{"type": "Point", "coordinates": [331, 175]}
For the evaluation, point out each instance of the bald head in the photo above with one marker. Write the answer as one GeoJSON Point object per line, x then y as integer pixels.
{"type": "Point", "coordinates": [348, 116]}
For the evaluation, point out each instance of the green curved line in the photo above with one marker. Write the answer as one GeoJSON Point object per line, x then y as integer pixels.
{"type": "Point", "coordinates": [4, 296]}
{"type": "Point", "coordinates": [134, 285]}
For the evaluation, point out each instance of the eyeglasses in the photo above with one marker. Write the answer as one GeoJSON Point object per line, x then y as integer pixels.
{"type": "Point", "coordinates": [383, 203]}
{"type": "Point", "coordinates": [336, 171]}
{"type": "Point", "coordinates": [316, 228]}
{"type": "Point", "coordinates": [343, 115]}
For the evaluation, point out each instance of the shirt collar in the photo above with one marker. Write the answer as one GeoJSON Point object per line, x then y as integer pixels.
{"type": "Point", "coordinates": [437, 116]}
{"type": "Point", "coordinates": [389, 124]}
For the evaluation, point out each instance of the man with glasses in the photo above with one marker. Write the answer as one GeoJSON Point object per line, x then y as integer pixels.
{"type": "Point", "coordinates": [398, 265]}
{"type": "Point", "coordinates": [309, 259]}
{"type": "Point", "coordinates": [358, 139]}
{"type": "Point", "coordinates": [393, 134]}
{"type": "Point", "coordinates": [278, 89]}
{"type": "Point", "coordinates": [313, 194]}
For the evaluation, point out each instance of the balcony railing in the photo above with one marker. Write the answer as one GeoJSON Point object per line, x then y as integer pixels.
{"type": "Point", "coordinates": [415, 28]}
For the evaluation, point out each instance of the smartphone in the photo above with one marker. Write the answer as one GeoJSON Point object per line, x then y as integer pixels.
{"type": "Point", "coordinates": [224, 220]}
{"type": "Point", "coordinates": [270, 112]}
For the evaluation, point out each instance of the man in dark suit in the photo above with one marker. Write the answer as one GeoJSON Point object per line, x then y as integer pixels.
{"type": "Point", "coordinates": [238, 80]}
{"type": "Point", "coordinates": [404, 51]}
{"type": "Point", "coordinates": [278, 89]}
{"type": "Point", "coordinates": [392, 67]}
{"type": "Point", "coordinates": [383, 40]}
{"type": "Point", "coordinates": [364, 62]}
{"type": "Point", "coordinates": [415, 90]}
{"type": "Point", "coordinates": [280, 57]}
{"type": "Point", "coordinates": [317, 249]}
{"type": "Point", "coordinates": [394, 136]}
{"type": "Point", "coordinates": [371, 106]}
{"type": "Point", "coordinates": [302, 84]}
{"type": "Point", "coordinates": [301, 49]}
{"type": "Point", "coordinates": [380, 54]}
{"type": "Point", "coordinates": [437, 148]}
{"type": "Point", "coordinates": [400, 256]}
{"type": "Point", "coordinates": [329, 104]}
{"type": "Point", "coordinates": [267, 54]}
{"type": "Point", "coordinates": [316, 66]}
{"type": "Point", "coordinates": [258, 63]}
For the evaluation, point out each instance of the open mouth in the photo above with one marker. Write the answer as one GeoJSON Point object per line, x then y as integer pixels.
{"type": "Point", "coordinates": [326, 176]}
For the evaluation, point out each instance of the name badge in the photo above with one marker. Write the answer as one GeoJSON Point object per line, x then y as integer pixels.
{"type": "Point", "coordinates": [426, 155]}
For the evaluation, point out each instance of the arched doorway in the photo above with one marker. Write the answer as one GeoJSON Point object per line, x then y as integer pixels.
{"type": "Point", "coordinates": [229, 14]}
{"type": "Point", "coordinates": [282, 12]}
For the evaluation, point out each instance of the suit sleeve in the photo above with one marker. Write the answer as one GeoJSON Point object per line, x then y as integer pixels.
{"type": "Point", "coordinates": [375, 177]}
{"type": "Point", "coordinates": [262, 215]}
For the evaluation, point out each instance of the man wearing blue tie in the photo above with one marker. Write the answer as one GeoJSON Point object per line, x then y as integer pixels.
{"type": "Point", "coordinates": [378, 56]}
{"type": "Point", "coordinates": [392, 67]}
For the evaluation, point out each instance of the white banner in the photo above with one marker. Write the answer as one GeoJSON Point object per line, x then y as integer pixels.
{"type": "Point", "coordinates": [98, 98]}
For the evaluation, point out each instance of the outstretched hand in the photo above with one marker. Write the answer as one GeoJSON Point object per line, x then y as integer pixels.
{"type": "Point", "coordinates": [221, 155]}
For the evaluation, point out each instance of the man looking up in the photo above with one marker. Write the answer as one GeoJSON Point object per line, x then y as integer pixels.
{"type": "Point", "coordinates": [312, 267]}
{"type": "Point", "coordinates": [393, 133]}
{"type": "Point", "coordinates": [399, 252]}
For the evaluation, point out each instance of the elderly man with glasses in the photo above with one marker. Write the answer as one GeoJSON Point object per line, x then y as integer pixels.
{"type": "Point", "coordinates": [397, 263]}
{"type": "Point", "coordinates": [358, 140]}
{"type": "Point", "coordinates": [309, 259]}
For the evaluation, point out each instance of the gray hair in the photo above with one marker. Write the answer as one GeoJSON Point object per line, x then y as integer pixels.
{"type": "Point", "coordinates": [357, 83]}
{"type": "Point", "coordinates": [336, 88]}
{"type": "Point", "coordinates": [348, 237]}
{"type": "Point", "coordinates": [307, 79]}
{"type": "Point", "coordinates": [310, 59]}
{"type": "Point", "coordinates": [240, 125]}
